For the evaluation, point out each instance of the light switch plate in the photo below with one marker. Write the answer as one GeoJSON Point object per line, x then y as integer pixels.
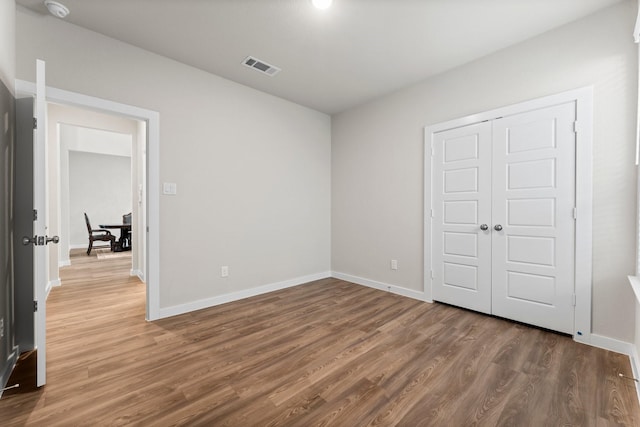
{"type": "Point", "coordinates": [169, 188]}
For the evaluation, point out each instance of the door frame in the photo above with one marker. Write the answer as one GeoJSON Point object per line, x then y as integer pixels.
{"type": "Point", "coordinates": [583, 98]}
{"type": "Point", "coordinates": [152, 119]}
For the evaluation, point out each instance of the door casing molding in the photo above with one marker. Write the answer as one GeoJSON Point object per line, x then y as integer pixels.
{"type": "Point", "coordinates": [583, 98]}
{"type": "Point", "coordinates": [152, 118]}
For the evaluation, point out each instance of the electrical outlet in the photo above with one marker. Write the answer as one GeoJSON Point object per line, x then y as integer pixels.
{"type": "Point", "coordinates": [394, 264]}
{"type": "Point", "coordinates": [224, 271]}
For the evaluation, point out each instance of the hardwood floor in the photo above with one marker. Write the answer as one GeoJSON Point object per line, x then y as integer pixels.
{"type": "Point", "coordinates": [326, 353]}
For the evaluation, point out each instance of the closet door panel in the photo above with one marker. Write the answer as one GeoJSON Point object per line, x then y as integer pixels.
{"type": "Point", "coordinates": [532, 205]}
{"type": "Point", "coordinates": [461, 200]}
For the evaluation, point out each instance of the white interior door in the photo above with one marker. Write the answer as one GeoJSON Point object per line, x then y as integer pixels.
{"type": "Point", "coordinates": [503, 231]}
{"type": "Point", "coordinates": [533, 202]}
{"type": "Point", "coordinates": [462, 200]}
{"type": "Point", "coordinates": [39, 225]}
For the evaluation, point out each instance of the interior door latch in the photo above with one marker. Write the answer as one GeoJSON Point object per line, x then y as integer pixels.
{"type": "Point", "coordinates": [39, 240]}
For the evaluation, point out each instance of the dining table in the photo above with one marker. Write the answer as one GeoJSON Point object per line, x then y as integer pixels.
{"type": "Point", "coordinates": [124, 242]}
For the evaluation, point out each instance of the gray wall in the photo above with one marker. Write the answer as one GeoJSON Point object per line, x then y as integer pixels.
{"type": "Point", "coordinates": [378, 152]}
{"type": "Point", "coordinates": [253, 171]}
{"type": "Point", "coordinates": [100, 185]}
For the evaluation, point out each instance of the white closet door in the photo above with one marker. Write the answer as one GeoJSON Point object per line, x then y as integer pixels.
{"type": "Point", "coordinates": [461, 251]}
{"type": "Point", "coordinates": [533, 202]}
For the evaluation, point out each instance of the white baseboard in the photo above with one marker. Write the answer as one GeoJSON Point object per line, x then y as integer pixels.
{"type": "Point", "coordinates": [64, 263]}
{"type": "Point", "coordinates": [410, 293]}
{"type": "Point", "coordinates": [235, 296]}
{"type": "Point", "coordinates": [139, 274]}
{"type": "Point", "coordinates": [8, 369]}
{"type": "Point", "coordinates": [635, 368]}
{"type": "Point", "coordinates": [621, 347]}
{"type": "Point", "coordinates": [611, 344]}
{"type": "Point", "coordinates": [53, 284]}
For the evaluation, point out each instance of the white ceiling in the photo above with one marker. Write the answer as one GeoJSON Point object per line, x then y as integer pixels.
{"type": "Point", "coordinates": [331, 60]}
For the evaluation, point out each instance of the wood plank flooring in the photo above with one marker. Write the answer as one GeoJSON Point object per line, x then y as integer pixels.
{"type": "Point", "coordinates": [326, 353]}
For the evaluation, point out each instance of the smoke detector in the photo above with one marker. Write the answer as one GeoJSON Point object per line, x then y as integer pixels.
{"type": "Point", "coordinates": [57, 9]}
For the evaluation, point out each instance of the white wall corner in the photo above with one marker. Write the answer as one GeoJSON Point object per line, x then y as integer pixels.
{"type": "Point", "coordinates": [621, 347]}
{"type": "Point", "coordinates": [410, 293]}
{"type": "Point", "coordinates": [139, 274]}
{"type": "Point", "coordinates": [636, 29]}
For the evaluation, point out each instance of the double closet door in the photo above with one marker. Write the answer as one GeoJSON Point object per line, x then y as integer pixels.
{"type": "Point", "coordinates": [503, 217]}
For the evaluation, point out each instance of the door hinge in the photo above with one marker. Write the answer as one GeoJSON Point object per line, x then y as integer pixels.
{"type": "Point", "coordinates": [432, 274]}
{"type": "Point", "coordinates": [432, 215]}
{"type": "Point", "coordinates": [35, 123]}
{"type": "Point", "coordinates": [575, 126]}
{"type": "Point", "coordinates": [432, 151]}
{"type": "Point", "coordinates": [573, 299]}
{"type": "Point", "coordinates": [35, 214]}
{"type": "Point", "coordinates": [35, 306]}
{"type": "Point", "coordinates": [575, 213]}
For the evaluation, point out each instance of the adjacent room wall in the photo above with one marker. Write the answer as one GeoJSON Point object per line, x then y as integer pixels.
{"type": "Point", "coordinates": [100, 186]}
{"type": "Point", "coordinates": [99, 178]}
{"type": "Point", "coordinates": [377, 155]}
{"type": "Point", "coordinates": [252, 170]}
{"type": "Point", "coordinates": [7, 144]}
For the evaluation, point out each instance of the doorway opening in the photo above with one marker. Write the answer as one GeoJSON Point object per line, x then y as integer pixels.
{"type": "Point", "coordinates": [148, 125]}
{"type": "Point", "coordinates": [97, 167]}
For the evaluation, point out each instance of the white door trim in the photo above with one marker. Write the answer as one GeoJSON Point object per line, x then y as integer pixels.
{"type": "Point", "coordinates": [152, 118]}
{"type": "Point", "coordinates": [583, 98]}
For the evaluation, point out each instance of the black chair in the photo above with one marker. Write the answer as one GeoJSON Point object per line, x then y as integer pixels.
{"type": "Point", "coordinates": [126, 220]}
{"type": "Point", "coordinates": [99, 234]}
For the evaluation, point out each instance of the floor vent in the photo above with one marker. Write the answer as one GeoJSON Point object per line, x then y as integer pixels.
{"type": "Point", "coordinates": [261, 66]}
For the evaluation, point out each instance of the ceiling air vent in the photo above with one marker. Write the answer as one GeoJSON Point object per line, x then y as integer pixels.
{"type": "Point", "coordinates": [261, 66]}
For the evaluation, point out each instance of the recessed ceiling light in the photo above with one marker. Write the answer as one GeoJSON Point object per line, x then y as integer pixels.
{"type": "Point", "coordinates": [57, 9]}
{"type": "Point", "coordinates": [322, 4]}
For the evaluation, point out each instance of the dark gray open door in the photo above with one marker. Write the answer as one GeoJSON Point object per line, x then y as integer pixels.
{"type": "Point", "coordinates": [23, 216]}
{"type": "Point", "coordinates": [33, 237]}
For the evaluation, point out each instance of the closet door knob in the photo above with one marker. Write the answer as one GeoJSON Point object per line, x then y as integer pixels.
{"type": "Point", "coordinates": [497, 227]}
{"type": "Point", "coordinates": [484, 227]}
